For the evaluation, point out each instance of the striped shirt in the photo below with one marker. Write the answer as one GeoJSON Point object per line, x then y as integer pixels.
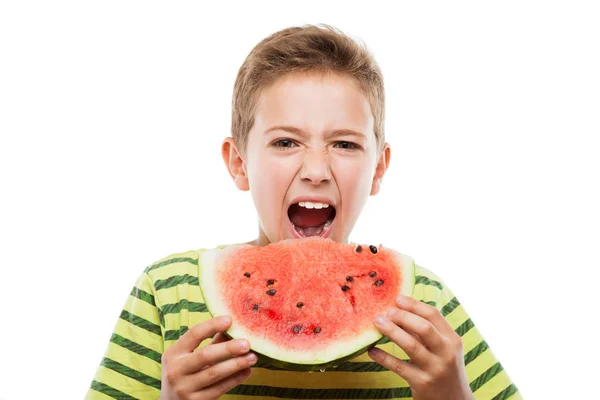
{"type": "Point", "coordinates": [166, 301]}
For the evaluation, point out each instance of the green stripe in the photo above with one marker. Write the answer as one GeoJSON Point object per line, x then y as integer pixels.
{"type": "Point", "coordinates": [431, 303]}
{"type": "Point", "coordinates": [384, 340]}
{"type": "Point", "coordinates": [475, 352]}
{"type": "Point", "coordinates": [176, 333]}
{"type": "Point", "coordinates": [297, 393]}
{"type": "Point", "coordinates": [465, 327]}
{"type": "Point", "coordinates": [176, 280]}
{"type": "Point", "coordinates": [161, 317]}
{"type": "Point", "coordinates": [135, 347]}
{"type": "Point", "coordinates": [143, 295]}
{"type": "Point", "coordinates": [110, 391]}
{"type": "Point", "coordinates": [131, 373]}
{"type": "Point", "coordinates": [184, 305]}
{"type": "Point", "coordinates": [506, 393]}
{"type": "Point", "coordinates": [486, 376]}
{"type": "Point", "coordinates": [451, 306]}
{"type": "Point", "coordinates": [172, 261]}
{"type": "Point", "coordinates": [423, 280]}
{"type": "Point", "coordinates": [140, 322]}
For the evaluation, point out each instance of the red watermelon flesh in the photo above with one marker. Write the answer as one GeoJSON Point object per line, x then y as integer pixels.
{"type": "Point", "coordinates": [307, 301]}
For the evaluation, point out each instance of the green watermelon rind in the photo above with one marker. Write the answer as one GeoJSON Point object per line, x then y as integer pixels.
{"type": "Point", "coordinates": [293, 366]}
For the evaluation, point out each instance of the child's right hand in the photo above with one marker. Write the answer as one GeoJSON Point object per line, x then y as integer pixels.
{"type": "Point", "coordinates": [209, 372]}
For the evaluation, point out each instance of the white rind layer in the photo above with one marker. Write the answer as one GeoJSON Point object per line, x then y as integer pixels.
{"type": "Point", "coordinates": [216, 305]}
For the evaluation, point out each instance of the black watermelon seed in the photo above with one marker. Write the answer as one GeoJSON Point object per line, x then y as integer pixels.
{"type": "Point", "coordinates": [255, 307]}
{"type": "Point", "coordinates": [373, 249]}
{"type": "Point", "coordinates": [345, 288]}
{"type": "Point", "coordinates": [350, 279]}
{"type": "Point", "coordinates": [297, 328]}
{"type": "Point", "coordinates": [247, 274]}
{"type": "Point", "coordinates": [358, 249]}
{"type": "Point", "coordinates": [270, 282]}
{"type": "Point", "coordinates": [300, 304]}
{"type": "Point", "coordinates": [271, 292]}
{"type": "Point", "coordinates": [378, 282]}
{"type": "Point", "coordinates": [372, 274]}
{"type": "Point", "coordinates": [317, 329]}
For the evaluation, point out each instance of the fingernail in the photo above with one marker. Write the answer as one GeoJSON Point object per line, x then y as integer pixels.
{"type": "Point", "coordinates": [225, 319]}
{"type": "Point", "coordinates": [402, 300]}
{"type": "Point", "coordinates": [391, 312]}
{"type": "Point", "coordinates": [380, 320]}
{"type": "Point", "coordinates": [244, 345]}
{"type": "Point", "coordinates": [251, 357]}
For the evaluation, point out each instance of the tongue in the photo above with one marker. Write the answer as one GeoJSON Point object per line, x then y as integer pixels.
{"type": "Point", "coordinates": [309, 218]}
{"type": "Point", "coordinates": [311, 230]}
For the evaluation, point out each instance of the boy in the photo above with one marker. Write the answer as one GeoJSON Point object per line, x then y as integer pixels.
{"type": "Point", "coordinates": [308, 117]}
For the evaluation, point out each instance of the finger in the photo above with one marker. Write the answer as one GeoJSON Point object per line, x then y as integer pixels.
{"type": "Point", "coordinates": [220, 388]}
{"type": "Point", "coordinates": [214, 353]}
{"type": "Point", "coordinates": [427, 312]}
{"type": "Point", "coordinates": [218, 372]}
{"type": "Point", "coordinates": [410, 373]}
{"type": "Point", "coordinates": [417, 352]}
{"type": "Point", "coordinates": [415, 324]}
{"type": "Point", "coordinates": [198, 333]}
{"type": "Point", "coordinates": [219, 338]}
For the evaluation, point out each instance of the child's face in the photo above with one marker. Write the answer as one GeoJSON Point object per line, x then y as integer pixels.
{"type": "Point", "coordinates": [285, 168]}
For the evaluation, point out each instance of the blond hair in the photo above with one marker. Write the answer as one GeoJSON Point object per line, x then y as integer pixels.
{"type": "Point", "coordinates": [307, 49]}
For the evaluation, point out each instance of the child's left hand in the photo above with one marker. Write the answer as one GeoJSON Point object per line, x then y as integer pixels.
{"type": "Point", "coordinates": [437, 367]}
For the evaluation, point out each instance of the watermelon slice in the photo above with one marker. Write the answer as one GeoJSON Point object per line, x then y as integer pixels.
{"type": "Point", "coordinates": [304, 304]}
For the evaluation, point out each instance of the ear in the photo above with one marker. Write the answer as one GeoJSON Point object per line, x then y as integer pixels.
{"type": "Point", "coordinates": [235, 164]}
{"type": "Point", "coordinates": [382, 166]}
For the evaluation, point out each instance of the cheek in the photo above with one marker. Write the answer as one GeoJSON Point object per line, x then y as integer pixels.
{"type": "Point", "coordinates": [269, 178]}
{"type": "Point", "coordinates": [356, 175]}
{"type": "Point", "coordinates": [354, 179]}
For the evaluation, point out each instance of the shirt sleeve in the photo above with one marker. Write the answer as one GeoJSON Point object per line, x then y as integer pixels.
{"type": "Point", "coordinates": [131, 366]}
{"type": "Point", "coordinates": [487, 378]}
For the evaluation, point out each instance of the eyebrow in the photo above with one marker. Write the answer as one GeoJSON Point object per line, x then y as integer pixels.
{"type": "Point", "coordinates": [300, 132]}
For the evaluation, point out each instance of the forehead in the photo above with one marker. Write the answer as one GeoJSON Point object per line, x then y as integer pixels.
{"type": "Point", "coordinates": [315, 103]}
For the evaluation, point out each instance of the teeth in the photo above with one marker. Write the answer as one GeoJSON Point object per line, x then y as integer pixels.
{"type": "Point", "coordinates": [313, 204]}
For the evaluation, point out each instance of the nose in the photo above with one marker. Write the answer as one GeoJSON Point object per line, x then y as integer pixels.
{"type": "Point", "coordinates": [315, 168]}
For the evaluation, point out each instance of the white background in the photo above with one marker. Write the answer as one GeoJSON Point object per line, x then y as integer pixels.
{"type": "Point", "coordinates": [111, 118]}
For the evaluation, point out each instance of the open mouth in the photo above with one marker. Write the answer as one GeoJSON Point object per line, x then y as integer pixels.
{"type": "Point", "coordinates": [311, 218]}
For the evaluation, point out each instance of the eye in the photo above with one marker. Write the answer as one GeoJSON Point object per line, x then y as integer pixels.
{"type": "Point", "coordinates": [346, 145]}
{"type": "Point", "coordinates": [282, 144]}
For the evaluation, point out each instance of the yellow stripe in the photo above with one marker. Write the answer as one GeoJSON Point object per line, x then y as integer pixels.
{"type": "Point", "coordinates": [189, 319]}
{"type": "Point", "coordinates": [457, 317]}
{"type": "Point", "coordinates": [494, 386]}
{"type": "Point", "coordinates": [180, 268]}
{"type": "Point", "coordinates": [125, 384]}
{"type": "Point", "coordinates": [174, 295]}
{"type": "Point", "coordinates": [139, 335]}
{"type": "Point", "coordinates": [480, 365]}
{"type": "Point", "coordinates": [471, 339]}
{"type": "Point", "coordinates": [430, 293]}
{"type": "Point", "coordinates": [142, 309]}
{"type": "Point", "coordinates": [133, 360]}
{"type": "Point", "coordinates": [325, 380]}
